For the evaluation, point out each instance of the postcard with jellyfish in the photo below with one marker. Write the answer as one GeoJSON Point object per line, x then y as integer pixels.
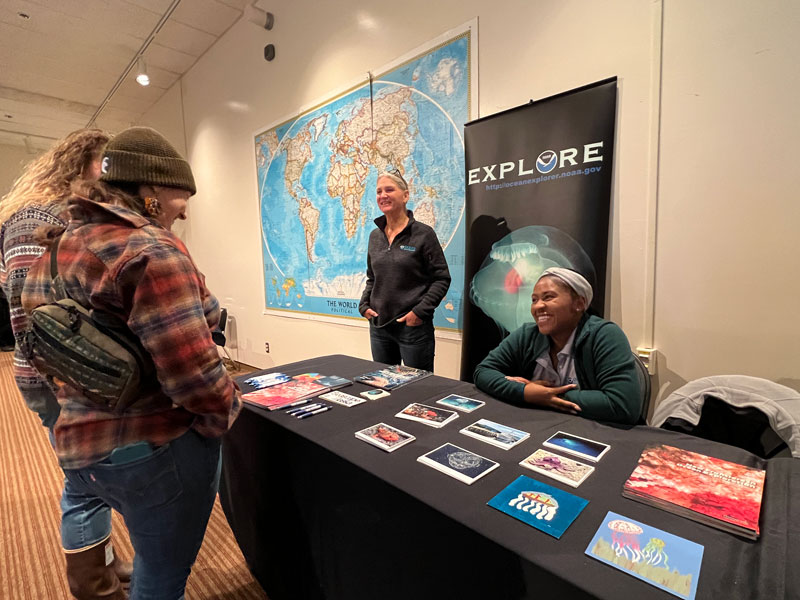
{"type": "Point", "coordinates": [539, 505]}
{"type": "Point", "coordinates": [666, 561]}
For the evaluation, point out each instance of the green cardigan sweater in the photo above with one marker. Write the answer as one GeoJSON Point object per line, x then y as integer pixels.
{"type": "Point", "coordinates": [609, 384]}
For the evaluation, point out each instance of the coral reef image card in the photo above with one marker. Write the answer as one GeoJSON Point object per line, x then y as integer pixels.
{"type": "Point", "coordinates": [661, 559]}
{"type": "Point", "coordinates": [502, 436]}
{"type": "Point", "coordinates": [385, 437]}
{"type": "Point", "coordinates": [430, 415]}
{"type": "Point", "coordinates": [390, 378]}
{"type": "Point", "coordinates": [560, 468]}
{"type": "Point", "coordinates": [578, 446]}
{"type": "Point", "coordinates": [539, 505]}
{"type": "Point", "coordinates": [460, 403]}
{"type": "Point", "coordinates": [461, 464]}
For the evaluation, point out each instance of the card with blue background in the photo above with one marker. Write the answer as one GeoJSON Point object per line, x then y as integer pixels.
{"type": "Point", "coordinates": [539, 505]}
{"type": "Point", "coordinates": [666, 561]}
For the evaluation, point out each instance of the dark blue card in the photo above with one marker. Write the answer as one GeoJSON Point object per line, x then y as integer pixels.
{"type": "Point", "coordinates": [539, 505]}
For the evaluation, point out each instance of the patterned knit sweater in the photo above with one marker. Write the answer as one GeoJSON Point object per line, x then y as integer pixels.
{"type": "Point", "coordinates": [17, 252]}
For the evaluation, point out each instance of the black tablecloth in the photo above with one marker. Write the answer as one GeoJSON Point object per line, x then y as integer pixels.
{"type": "Point", "coordinates": [321, 514]}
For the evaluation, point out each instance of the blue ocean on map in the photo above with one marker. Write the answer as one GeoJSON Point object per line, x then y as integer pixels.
{"type": "Point", "coordinates": [317, 175]}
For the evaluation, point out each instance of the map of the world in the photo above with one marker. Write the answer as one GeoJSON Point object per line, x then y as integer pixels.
{"type": "Point", "coordinates": [317, 175]}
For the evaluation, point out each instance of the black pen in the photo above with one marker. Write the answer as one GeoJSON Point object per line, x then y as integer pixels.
{"type": "Point", "coordinates": [314, 412]}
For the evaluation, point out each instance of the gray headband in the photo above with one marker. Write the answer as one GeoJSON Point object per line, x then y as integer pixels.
{"type": "Point", "coordinates": [573, 279]}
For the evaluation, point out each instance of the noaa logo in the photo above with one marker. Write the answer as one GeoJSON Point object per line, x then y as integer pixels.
{"type": "Point", "coordinates": [547, 161]}
{"type": "Point", "coordinates": [104, 165]}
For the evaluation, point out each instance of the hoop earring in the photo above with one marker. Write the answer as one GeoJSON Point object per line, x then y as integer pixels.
{"type": "Point", "coordinates": [152, 206]}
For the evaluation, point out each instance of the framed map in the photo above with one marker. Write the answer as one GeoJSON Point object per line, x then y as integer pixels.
{"type": "Point", "coordinates": [317, 174]}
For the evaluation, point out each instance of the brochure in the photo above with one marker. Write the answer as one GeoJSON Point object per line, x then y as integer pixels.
{"type": "Point", "coordinates": [390, 378]}
{"type": "Point", "coordinates": [460, 464]}
{"type": "Point", "coordinates": [717, 492]}
{"type": "Point", "coordinates": [661, 559]}
{"type": "Point", "coordinates": [539, 505]}
{"type": "Point", "coordinates": [333, 382]}
{"type": "Point", "coordinates": [558, 467]}
{"type": "Point", "coordinates": [276, 396]}
{"type": "Point", "coordinates": [342, 398]}
{"type": "Point", "coordinates": [502, 436]}
{"type": "Point", "coordinates": [262, 381]}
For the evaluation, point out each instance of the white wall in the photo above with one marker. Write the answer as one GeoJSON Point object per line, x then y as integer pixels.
{"type": "Point", "coordinates": [12, 160]}
{"type": "Point", "coordinates": [718, 181]}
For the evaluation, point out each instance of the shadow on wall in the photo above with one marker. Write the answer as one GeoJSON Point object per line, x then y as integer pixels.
{"type": "Point", "coordinates": [664, 383]}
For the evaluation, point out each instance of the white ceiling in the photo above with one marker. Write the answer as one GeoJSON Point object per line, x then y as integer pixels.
{"type": "Point", "coordinates": [58, 66]}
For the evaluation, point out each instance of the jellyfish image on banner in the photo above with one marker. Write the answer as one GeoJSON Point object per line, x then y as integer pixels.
{"type": "Point", "coordinates": [543, 506]}
{"type": "Point", "coordinates": [654, 553]}
{"type": "Point", "coordinates": [625, 539]}
{"type": "Point", "coordinates": [503, 285]}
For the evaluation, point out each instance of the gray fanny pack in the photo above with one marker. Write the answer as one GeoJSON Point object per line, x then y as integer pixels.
{"type": "Point", "coordinates": [90, 351]}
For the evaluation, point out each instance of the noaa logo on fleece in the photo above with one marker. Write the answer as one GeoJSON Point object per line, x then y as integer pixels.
{"type": "Point", "coordinates": [546, 161]}
{"type": "Point", "coordinates": [409, 248]}
{"type": "Point", "coordinates": [104, 165]}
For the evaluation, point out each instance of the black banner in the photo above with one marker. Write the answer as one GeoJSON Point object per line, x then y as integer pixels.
{"type": "Point", "coordinates": [538, 181]}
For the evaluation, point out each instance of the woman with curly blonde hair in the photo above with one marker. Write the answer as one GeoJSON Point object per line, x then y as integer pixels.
{"type": "Point", "coordinates": [39, 197]}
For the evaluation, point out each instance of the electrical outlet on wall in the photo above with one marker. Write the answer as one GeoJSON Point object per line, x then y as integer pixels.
{"type": "Point", "coordinates": [648, 357]}
{"type": "Point", "coordinates": [266, 347]}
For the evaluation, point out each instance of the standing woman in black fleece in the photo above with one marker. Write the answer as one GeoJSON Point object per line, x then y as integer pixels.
{"type": "Point", "coordinates": [407, 277]}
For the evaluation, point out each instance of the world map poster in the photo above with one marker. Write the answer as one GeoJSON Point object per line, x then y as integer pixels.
{"type": "Point", "coordinates": [317, 173]}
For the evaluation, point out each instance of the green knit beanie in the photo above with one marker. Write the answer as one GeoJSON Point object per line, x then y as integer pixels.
{"type": "Point", "coordinates": [142, 155]}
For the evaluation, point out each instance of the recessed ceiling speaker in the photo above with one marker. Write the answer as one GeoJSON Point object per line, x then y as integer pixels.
{"type": "Point", "coordinates": [269, 52]}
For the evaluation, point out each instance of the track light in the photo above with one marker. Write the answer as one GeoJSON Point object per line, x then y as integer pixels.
{"type": "Point", "coordinates": [141, 76]}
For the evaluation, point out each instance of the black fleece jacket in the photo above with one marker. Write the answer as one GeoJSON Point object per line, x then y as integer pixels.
{"type": "Point", "coordinates": [411, 274]}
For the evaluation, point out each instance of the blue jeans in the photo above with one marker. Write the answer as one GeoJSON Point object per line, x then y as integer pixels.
{"type": "Point", "coordinates": [166, 499]}
{"type": "Point", "coordinates": [394, 342]}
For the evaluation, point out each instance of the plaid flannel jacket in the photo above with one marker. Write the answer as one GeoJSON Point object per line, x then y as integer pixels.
{"type": "Point", "coordinates": [115, 260]}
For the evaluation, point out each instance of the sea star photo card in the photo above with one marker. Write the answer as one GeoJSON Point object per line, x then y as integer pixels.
{"type": "Point", "coordinates": [661, 559]}
{"type": "Point", "coordinates": [539, 505]}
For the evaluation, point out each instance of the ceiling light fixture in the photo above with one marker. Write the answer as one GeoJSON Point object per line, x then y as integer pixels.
{"type": "Point", "coordinates": [141, 73]}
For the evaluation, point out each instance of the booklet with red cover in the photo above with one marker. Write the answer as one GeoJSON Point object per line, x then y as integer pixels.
{"type": "Point", "coordinates": [282, 394]}
{"type": "Point", "coordinates": [709, 490]}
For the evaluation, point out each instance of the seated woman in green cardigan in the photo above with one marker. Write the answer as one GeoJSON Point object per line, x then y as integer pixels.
{"type": "Point", "coordinates": [567, 360]}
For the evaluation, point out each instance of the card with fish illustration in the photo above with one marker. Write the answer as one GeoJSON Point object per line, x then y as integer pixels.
{"type": "Point", "coordinates": [663, 560]}
{"type": "Point", "coordinates": [342, 398]}
{"type": "Point", "coordinates": [385, 437]}
{"type": "Point", "coordinates": [460, 464]}
{"type": "Point", "coordinates": [560, 468]}
{"type": "Point", "coordinates": [460, 403]}
{"type": "Point", "coordinates": [430, 415]}
{"type": "Point", "coordinates": [578, 446]}
{"type": "Point", "coordinates": [502, 436]}
{"type": "Point", "coordinates": [539, 505]}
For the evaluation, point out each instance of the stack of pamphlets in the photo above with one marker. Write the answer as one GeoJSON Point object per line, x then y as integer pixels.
{"type": "Point", "coordinates": [458, 463]}
{"type": "Point", "coordinates": [502, 436]}
{"type": "Point", "coordinates": [429, 415]}
{"type": "Point", "coordinates": [270, 379]}
{"type": "Point", "coordinates": [280, 395]}
{"type": "Point", "coordinates": [713, 491]}
{"type": "Point", "coordinates": [332, 382]}
{"type": "Point", "coordinates": [391, 378]}
{"type": "Point", "coordinates": [385, 437]}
